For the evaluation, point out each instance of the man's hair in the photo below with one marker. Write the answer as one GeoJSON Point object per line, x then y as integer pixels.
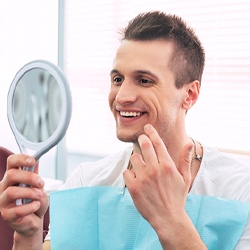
{"type": "Point", "coordinates": [188, 57]}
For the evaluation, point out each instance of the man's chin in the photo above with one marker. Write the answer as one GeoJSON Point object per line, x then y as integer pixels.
{"type": "Point", "coordinates": [130, 138]}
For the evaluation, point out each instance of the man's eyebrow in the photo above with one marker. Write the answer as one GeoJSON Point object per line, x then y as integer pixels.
{"type": "Point", "coordinates": [141, 72]}
{"type": "Point", "coordinates": [114, 71]}
{"type": "Point", "coordinates": [145, 72]}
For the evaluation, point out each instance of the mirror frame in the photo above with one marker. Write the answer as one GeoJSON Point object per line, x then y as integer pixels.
{"type": "Point", "coordinates": [39, 148]}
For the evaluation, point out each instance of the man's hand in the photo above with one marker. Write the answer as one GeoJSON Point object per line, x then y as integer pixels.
{"type": "Point", "coordinates": [159, 190]}
{"type": "Point", "coordinates": [27, 219]}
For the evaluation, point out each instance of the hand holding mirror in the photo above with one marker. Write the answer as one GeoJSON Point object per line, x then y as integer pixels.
{"type": "Point", "coordinates": [39, 108]}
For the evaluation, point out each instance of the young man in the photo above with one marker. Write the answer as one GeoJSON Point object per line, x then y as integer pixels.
{"type": "Point", "coordinates": [155, 80]}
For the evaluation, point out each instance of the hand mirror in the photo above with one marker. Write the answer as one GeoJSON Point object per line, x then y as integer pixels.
{"type": "Point", "coordinates": [38, 108]}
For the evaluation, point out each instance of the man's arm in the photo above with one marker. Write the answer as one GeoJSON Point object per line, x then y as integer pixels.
{"type": "Point", "coordinates": [22, 241]}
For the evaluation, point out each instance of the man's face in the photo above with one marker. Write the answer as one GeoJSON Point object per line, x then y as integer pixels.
{"type": "Point", "coordinates": [143, 90]}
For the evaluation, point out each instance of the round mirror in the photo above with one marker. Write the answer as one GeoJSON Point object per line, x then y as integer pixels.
{"type": "Point", "coordinates": [39, 107]}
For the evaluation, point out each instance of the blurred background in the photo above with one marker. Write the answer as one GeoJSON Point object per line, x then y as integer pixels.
{"type": "Point", "coordinates": [82, 37]}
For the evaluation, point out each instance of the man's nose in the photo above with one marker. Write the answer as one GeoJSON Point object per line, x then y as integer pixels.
{"type": "Point", "coordinates": [127, 93]}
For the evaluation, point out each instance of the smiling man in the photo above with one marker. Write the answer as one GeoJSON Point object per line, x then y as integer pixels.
{"type": "Point", "coordinates": [155, 80]}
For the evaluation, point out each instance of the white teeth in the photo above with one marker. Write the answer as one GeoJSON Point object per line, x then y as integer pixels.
{"type": "Point", "coordinates": [122, 113]}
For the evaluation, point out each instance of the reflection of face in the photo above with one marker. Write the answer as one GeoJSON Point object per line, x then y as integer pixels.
{"type": "Point", "coordinates": [143, 91]}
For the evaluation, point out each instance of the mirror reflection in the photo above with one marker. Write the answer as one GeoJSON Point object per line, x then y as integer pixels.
{"type": "Point", "coordinates": [37, 105]}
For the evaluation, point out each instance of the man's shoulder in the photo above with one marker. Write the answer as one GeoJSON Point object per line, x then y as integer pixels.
{"type": "Point", "coordinates": [119, 158]}
{"type": "Point", "coordinates": [217, 160]}
{"type": "Point", "coordinates": [223, 176]}
{"type": "Point", "coordinates": [104, 172]}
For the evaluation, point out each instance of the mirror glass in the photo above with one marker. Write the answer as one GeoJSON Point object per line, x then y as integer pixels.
{"type": "Point", "coordinates": [39, 107]}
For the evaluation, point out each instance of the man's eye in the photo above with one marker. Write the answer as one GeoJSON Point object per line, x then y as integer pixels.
{"type": "Point", "coordinates": [117, 80]}
{"type": "Point", "coordinates": [145, 81]}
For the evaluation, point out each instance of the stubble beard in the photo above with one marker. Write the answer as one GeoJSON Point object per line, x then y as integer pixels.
{"type": "Point", "coordinates": [128, 137]}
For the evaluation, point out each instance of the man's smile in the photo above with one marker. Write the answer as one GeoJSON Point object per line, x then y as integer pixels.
{"type": "Point", "coordinates": [130, 114]}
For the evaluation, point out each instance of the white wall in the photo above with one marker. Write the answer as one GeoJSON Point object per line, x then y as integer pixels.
{"type": "Point", "coordinates": [29, 31]}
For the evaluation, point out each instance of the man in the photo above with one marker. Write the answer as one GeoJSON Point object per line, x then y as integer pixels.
{"type": "Point", "coordinates": [155, 80]}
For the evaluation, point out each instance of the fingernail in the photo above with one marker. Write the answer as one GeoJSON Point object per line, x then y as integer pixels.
{"type": "Point", "coordinates": [37, 204]}
{"type": "Point", "coordinates": [39, 193]}
{"type": "Point", "coordinates": [29, 160]}
{"type": "Point", "coordinates": [40, 182]}
{"type": "Point", "coordinates": [190, 150]}
{"type": "Point", "coordinates": [147, 127]}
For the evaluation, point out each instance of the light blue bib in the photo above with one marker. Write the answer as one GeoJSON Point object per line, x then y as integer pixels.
{"type": "Point", "coordinates": [100, 218]}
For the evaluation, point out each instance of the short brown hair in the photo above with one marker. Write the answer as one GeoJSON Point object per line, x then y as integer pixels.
{"type": "Point", "coordinates": [188, 58]}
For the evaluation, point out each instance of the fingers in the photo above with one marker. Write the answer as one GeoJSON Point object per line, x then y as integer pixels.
{"type": "Point", "coordinates": [154, 153]}
{"type": "Point", "coordinates": [155, 159]}
{"type": "Point", "coordinates": [148, 151]}
{"type": "Point", "coordinates": [14, 192]}
{"type": "Point", "coordinates": [185, 162]}
{"type": "Point", "coordinates": [130, 175]}
{"type": "Point", "coordinates": [20, 160]}
{"type": "Point", "coordinates": [157, 150]}
{"type": "Point", "coordinates": [27, 215]}
{"type": "Point", "coordinates": [9, 189]}
{"type": "Point", "coordinates": [14, 174]}
{"type": "Point", "coordinates": [12, 214]}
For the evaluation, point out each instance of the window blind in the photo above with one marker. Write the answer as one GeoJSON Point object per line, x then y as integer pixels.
{"type": "Point", "coordinates": [220, 118]}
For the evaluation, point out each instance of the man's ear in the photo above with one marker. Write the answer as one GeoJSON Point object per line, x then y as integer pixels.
{"type": "Point", "coordinates": [192, 93]}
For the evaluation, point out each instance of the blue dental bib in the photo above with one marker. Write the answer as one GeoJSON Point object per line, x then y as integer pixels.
{"type": "Point", "coordinates": [100, 218]}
